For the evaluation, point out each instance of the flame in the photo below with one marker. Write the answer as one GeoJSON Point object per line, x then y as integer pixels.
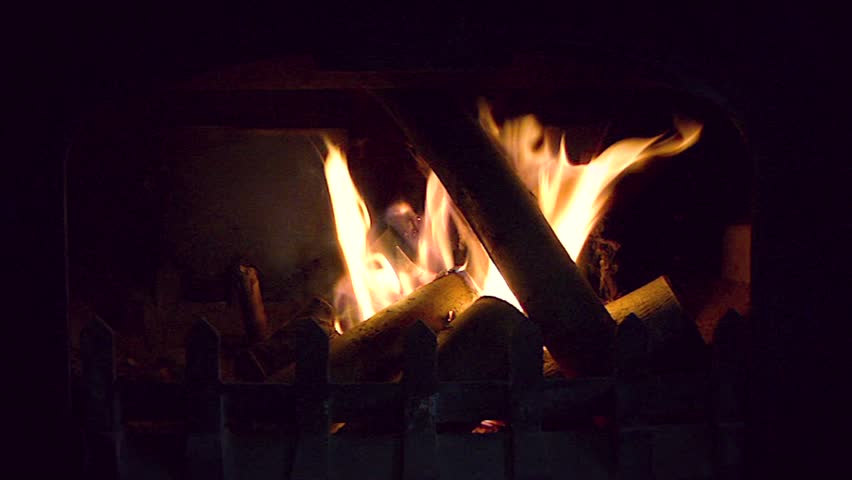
{"type": "Point", "coordinates": [371, 281]}
{"type": "Point", "coordinates": [573, 198]}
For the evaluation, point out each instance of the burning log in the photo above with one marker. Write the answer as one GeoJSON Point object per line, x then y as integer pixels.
{"type": "Point", "coordinates": [674, 342]}
{"type": "Point", "coordinates": [373, 349]}
{"type": "Point", "coordinates": [247, 289]}
{"type": "Point", "coordinates": [505, 217]}
{"type": "Point", "coordinates": [475, 346]}
{"type": "Point", "coordinates": [263, 359]}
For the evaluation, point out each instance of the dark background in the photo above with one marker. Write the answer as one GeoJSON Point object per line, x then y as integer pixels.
{"type": "Point", "coordinates": [779, 66]}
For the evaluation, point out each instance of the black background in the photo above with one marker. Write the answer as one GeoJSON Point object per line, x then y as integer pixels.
{"type": "Point", "coordinates": [780, 66]}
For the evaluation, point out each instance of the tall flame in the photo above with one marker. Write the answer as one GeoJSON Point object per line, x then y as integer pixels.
{"type": "Point", "coordinates": [572, 198]}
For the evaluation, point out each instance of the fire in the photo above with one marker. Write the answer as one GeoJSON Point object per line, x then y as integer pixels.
{"type": "Point", "coordinates": [573, 198]}
{"type": "Point", "coordinates": [372, 280]}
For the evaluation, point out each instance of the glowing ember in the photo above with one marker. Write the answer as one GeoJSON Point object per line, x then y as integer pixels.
{"type": "Point", "coordinates": [572, 198]}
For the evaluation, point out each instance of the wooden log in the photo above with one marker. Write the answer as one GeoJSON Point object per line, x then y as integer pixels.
{"type": "Point", "coordinates": [373, 349]}
{"type": "Point", "coordinates": [278, 351]}
{"type": "Point", "coordinates": [475, 346]}
{"type": "Point", "coordinates": [507, 220]}
{"type": "Point", "coordinates": [674, 343]}
{"type": "Point", "coordinates": [247, 291]}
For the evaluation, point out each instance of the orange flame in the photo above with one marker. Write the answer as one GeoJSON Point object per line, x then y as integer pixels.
{"type": "Point", "coordinates": [572, 198]}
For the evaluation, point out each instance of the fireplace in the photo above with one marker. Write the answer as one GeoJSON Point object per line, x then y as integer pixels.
{"type": "Point", "coordinates": [202, 335]}
{"type": "Point", "coordinates": [193, 257]}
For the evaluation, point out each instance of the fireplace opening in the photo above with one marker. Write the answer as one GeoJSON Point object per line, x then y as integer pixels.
{"type": "Point", "coordinates": [210, 200]}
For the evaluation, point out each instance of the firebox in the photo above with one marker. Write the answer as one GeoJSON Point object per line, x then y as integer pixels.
{"type": "Point", "coordinates": [531, 270]}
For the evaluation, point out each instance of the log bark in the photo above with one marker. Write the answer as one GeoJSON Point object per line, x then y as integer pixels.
{"type": "Point", "coordinates": [247, 289]}
{"type": "Point", "coordinates": [475, 346]}
{"type": "Point", "coordinates": [276, 353]}
{"type": "Point", "coordinates": [507, 220]}
{"type": "Point", "coordinates": [373, 349]}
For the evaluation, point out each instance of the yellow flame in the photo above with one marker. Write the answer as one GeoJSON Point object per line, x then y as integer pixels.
{"type": "Point", "coordinates": [371, 280]}
{"type": "Point", "coordinates": [572, 198]}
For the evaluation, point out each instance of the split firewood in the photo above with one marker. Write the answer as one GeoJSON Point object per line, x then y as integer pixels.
{"type": "Point", "coordinates": [247, 290]}
{"type": "Point", "coordinates": [505, 217]}
{"type": "Point", "coordinates": [373, 349]}
{"type": "Point", "coordinates": [475, 346]}
{"type": "Point", "coordinates": [278, 352]}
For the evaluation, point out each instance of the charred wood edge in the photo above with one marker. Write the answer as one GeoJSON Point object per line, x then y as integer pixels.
{"type": "Point", "coordinates": [373, 349]}
{"type": "Point", "coordinates": [104, 435]}
{"type": "Point", "coordinates": [271, 356]}
{"type": "Point", "coordinates": [250, 299]}
{"type": "Point", "coordinates": [204, 409]}
{"type": "Point", "coordinates": [475, 346]}
{"type": "Point", "coordinates": [576, 327]}
{"type": "Point", "coordinates": [311, 455]}
{"type": "Point", "coordinates": [729, 384]}
{"type": "Point", "coordinates": [420, 385]}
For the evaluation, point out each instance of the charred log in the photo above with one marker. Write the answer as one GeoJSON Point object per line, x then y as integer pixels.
{"type": "Point", "coordinates": [505, 217]}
